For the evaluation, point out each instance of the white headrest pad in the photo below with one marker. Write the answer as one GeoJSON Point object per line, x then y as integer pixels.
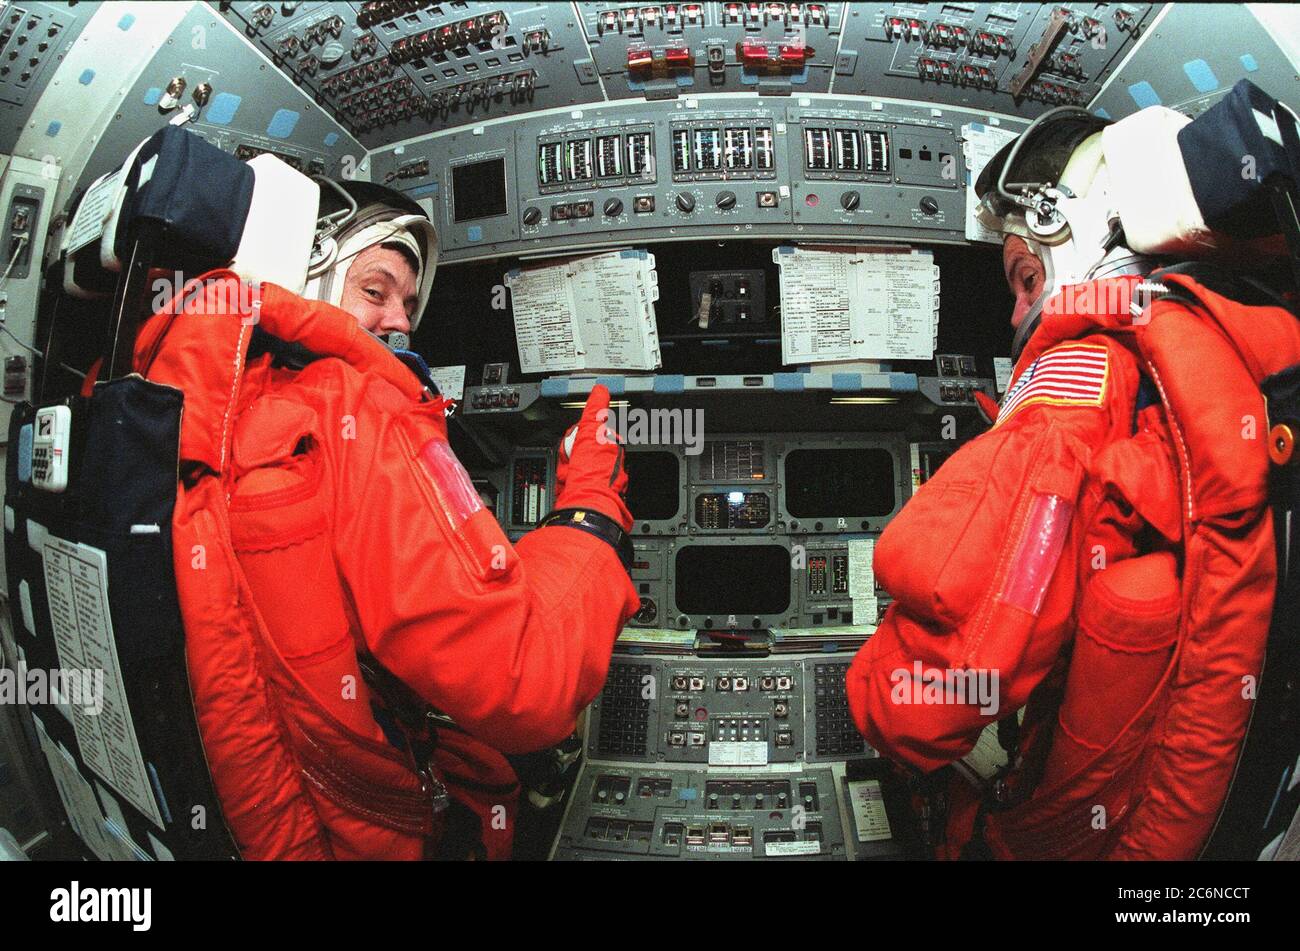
{"type": "Point", "coordinates": [276, 243]}
{"type": "Point", "coordinates": [107, 253]}
{"type": "Point", "coordinates": [1149, 186]}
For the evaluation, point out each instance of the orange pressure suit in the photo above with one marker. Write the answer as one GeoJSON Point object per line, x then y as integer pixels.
{"type": "Point", "coordinates": [1107, 551]}
{"type": "Point", "coordinates": [323, 524]}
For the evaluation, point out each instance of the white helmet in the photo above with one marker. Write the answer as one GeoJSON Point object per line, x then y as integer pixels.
{"type": "Point", "coordinates": [1055, 186]}
{"type": "Point", "coordinates": [354, 216]}
{"type": "Point", "coordinates": [1097, 199]}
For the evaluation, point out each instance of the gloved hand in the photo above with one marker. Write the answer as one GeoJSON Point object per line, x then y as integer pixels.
{"type": "Point", "coordinates": [590, 473]}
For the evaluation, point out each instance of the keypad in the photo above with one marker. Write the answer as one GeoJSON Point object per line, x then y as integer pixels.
{"type": "Point", "coordinates": [41, 456]}
{"type": "Point", "coordinates": [625, 710]}
{"type": "Point", "coordinates": [836, 733]}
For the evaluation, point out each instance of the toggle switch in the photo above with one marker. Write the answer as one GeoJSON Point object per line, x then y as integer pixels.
{"type": "Point", "coordinates": [171, 96]}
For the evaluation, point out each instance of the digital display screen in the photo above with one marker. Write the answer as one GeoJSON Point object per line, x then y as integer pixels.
{"type": "Point", "coordinates": [733, 579]}
{"type": "Point", "coordinates": [849, 483]}
{"type": "Point", "coordinates": [653, 488]}
{"type": "Point", "coordinates": [478, 190]}
{"type": "Point", "coordinates": [735, 509]}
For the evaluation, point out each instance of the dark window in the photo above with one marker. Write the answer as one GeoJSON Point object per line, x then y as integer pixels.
{"type": "Point", "coordinates": [733, 579]}
{"type": "Point", "coordinates": [852, 483]}
{"type": "Point", "coordinates": [479, 190]}
{"type": "Point", "coordinates": [653, 488]}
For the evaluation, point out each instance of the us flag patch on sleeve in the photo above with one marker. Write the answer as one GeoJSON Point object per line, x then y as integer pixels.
{"type": "Point", "coordinates": [1072, 375]}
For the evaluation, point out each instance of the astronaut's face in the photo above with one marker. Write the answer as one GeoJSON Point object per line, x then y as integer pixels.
{"type": "Point", "coordinates": [1025, 275]}
{"type": "Point", "coordinates": [380, 291]}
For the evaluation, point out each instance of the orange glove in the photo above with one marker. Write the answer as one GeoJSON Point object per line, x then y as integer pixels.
{"type": "Point", "coordinates": [590, 473]}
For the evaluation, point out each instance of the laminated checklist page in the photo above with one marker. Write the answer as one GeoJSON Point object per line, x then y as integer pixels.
{"type": "Point", "coordinates": [979, 144]}
{"type": "Point", "coordinates": [845, 303]}
{"type": "Point", "coordinates": [587, 313]}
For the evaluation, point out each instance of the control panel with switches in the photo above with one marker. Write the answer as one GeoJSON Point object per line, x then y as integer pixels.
{"type": "Point", "coordinates": [717, 758]}
{"type": "Point", "coordinates": [724, 713]}
{"type": "Point", "coordinates": [958, 381]}
{"type": "Point", "coordinates": [26, 191]}
{"type": "Point", "coordinates": [499, 398]}
{"type": "Point", "coordinates": [675, 814]}
{"type": "Point", "coordinates": [735, 300]}
{"type": "Point", "coordinates": [32, 37]}
{"type": "Point", "coordinates": [726, 164]}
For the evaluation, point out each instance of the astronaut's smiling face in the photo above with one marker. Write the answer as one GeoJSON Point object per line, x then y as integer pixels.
{"type": "Point", "coordinates": [380, 291]}
{"type": "Point", "coordinates": [1025, 275]}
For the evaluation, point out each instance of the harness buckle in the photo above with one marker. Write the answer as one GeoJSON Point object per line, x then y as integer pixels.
{"type": "Point", "coordinates": [1145, 293]}
{"type": "Point", "coordinates": [1001, 791]}
{"type": "Point", "coordinates": [432, 787]}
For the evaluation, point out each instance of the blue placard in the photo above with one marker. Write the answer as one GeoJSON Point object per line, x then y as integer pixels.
{"type": "Point", "coordinates": [25, 453]}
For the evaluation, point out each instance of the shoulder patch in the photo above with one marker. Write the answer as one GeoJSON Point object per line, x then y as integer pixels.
{"type": "Point", "coordinates": [1070, 375]}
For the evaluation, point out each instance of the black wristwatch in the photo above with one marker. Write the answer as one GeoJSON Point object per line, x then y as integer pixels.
{"type": "Point", "coordinates": [593, 523]}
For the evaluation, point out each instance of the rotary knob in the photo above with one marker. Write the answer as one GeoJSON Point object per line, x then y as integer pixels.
{"type": "Point", "coordinates": [331, 53]}
{"type": "Point", "coordinates": [686, 202]}
{"type": "Point", "coordinates": [726, 200]}
{"type": "Point", "coordinates": [929, 206]}
{"type": "Point", "coordinates": [613, 208]}
{"type": "Point", "coordinates": [850, 201]}
{"type": "Point", "coordinates": [532, 216]}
